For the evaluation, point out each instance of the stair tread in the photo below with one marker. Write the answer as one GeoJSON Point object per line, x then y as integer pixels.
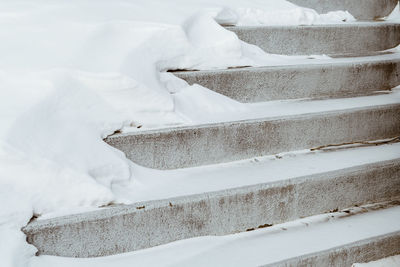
{"type": "Point", "coordinates": [302, 127]}
{"type": "Point", "coordinates": [161, 186]}
{"type": "Point", "coordinates": [223, 199]}
{"type": "Point", "coordinates": [282, 109]}
{"type": "Point", "coordinates": [300, 78]}
{"type": "Point", "coordinates": [306, 63]}
{"type": "Point", "coordinates": [361, 23]}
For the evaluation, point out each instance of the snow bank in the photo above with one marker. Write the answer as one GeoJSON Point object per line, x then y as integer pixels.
{"type": "Point", "coordinates": [73, 72]}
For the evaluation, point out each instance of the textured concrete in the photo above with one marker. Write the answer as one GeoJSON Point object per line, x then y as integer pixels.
{"type": "Point", "coordinates": [127, 228]}
{"type": "Point", "coordinates": [351, 38]}
{"type": "Point", "coordinates": [300, 81]}
{"type": "Point", "coordinates": [360, 9]}
{"type": "Point", "coordinates": [223, 142]}
{"type": "Point", "coordinates": [344, 256]}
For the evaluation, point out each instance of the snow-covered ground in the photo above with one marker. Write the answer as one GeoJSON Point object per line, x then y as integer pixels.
{"type": "Point", "coordinates": [73, 72]}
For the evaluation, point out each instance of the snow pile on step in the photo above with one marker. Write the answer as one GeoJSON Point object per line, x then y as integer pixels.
{"type": "Point", "coordinates": [395, 15]}
{"type": "Point", "coordinates": [393, 261]}
{"type": "Point", "coordinates": [297, 16]}
{"type": "Point", "coordinates": [73, 72]}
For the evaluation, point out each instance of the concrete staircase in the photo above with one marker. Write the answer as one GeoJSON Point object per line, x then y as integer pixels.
{"type": "Point", "coordinates": [349, 101]}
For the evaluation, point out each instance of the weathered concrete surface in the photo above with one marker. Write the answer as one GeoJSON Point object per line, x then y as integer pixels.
{"type": "Point", "coordinates": [322, 39]}
{"type": "Point", "coordinates": [344, 256]}
{"type": "Point", "coordinates": [223, 142]}
{"type": "Point", "coordinates": [147, 224]}
{"type": "Point", "coordinates": [360, 9]}
{"type": "Point", "coordinates": [300, 81]}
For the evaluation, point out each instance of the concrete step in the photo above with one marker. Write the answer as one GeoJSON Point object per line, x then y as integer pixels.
{"type": "Point", "coordinates": [188, 146]}
{"type": "Point", "coordinates": [259, 199]}
{"type": "Point", "coordinates": [366, 250]}
{"type": "Point", "coordinates": [349, 38]}
{"type": "Point", "coordinates": [360, 9]}
{"type": "Point", "coordinates": [328, 78]}
{"type": "Point", "coordinates": [334, 239]}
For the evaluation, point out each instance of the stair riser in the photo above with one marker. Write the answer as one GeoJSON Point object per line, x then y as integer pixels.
{"type": "Point", "coordinates": [360, 9]}
{"type": "Point", "coordinates": [326, 39]}
{"type": "Point", "coordinates": [304, 81]}
{"type": "Point", "coordinates": [224, 142]}
{"type": "Point", "coordinates": [122, 229]}
{"type": "Point", "coordinates": [363, 251]}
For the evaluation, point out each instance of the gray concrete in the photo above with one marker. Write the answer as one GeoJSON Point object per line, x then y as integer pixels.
{"type": "Point", "coordinates": [352, 38]}
{"type": "Point", "coordinates": [223, 142]}
{"type": "Point", "coordinates": [300, 81]}
{"type": "Point", "coordinates": [147, 224]}
{"type": "Point", "coordinates": [344, 256]}
{"type": "Point", "coordinates": [360, 9]}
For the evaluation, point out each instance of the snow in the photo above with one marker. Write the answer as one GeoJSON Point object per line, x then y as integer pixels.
{"type": "Point", "coordinates": [73, 72]}
{"type": "Point", "coordinates": [393, 261]}
{"type": "Point", "coordinates": [255, 248]}
{"type": "Point", "coordinates": [394, 16]}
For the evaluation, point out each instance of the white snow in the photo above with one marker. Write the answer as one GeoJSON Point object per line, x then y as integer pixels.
{"type": "Point", "coordinates": [253, 248]}
{"type": "Point", "coordinates": [393, 261]}
{"type": "Point", "coordinates": [394, 15]}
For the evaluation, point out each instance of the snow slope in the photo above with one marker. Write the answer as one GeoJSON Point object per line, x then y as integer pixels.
{"type": "Point", "coordinates": [73, 72]}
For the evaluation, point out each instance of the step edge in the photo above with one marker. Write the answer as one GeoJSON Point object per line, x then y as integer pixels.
{"type": "Point", "coordinates": [363, 242]}
{"type": "Point", "coordinates": [177, 129]}
{"type": "Point", "coordinates": [103, 214]}
{"type": "Point", "coordinates": [356, 24]}
{"type": "Point", "coordinates": [356, 61]}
